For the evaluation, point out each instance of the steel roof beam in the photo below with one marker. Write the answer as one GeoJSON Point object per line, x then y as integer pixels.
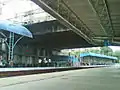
{"type": "Point", "coordinates": [66, 16]}
{"type": "Point", "coordinates": [105, 38]}
{"type": "Point", "coordinates": [101, 10]}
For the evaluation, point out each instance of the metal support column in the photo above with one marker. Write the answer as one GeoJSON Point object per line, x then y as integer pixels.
{"type": "Point", "coordinates": [11, 46]}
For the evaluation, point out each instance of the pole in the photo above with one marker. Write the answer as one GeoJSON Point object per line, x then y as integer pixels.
{"type": "Point", "coordinates": [11, 44]}
{"type": "Point", "coordinates": [10, 48]}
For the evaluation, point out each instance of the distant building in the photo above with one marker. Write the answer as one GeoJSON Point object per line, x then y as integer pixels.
{"type": "Point", "coordinates": [96, 59]}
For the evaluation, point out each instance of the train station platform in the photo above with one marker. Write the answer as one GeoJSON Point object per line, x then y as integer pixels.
{"type": "Point", "coordinates": [8, 72]}
{"type": "Point", "coordinates": [85, 79]}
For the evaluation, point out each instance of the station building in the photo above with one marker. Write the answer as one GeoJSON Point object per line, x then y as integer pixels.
{"type": "Point", "coordinates": [27, 55]}
{"type": "Point", "coordinates": [96, 59]}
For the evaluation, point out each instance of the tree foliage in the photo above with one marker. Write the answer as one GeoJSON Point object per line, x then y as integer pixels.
{"type": "Point", "coordinates": [102, 50]}
{"type": "Point", "coordinates": [116, 54]}
{"type": "Point", "coordinates": [106, 51]}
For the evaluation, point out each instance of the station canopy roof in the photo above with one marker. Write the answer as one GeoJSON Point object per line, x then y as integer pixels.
{"type": "Point", "coordinates": [97, 55]}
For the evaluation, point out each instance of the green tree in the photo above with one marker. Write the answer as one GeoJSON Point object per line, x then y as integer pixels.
{"type": "Point", "coordinates": [117, 54]}
{"type": "Point", "coordinates": [102, 50]}
{"type": "Point", "coordinates": [106, 51]}
{"type": "Point", "coordinates": [95, 51]}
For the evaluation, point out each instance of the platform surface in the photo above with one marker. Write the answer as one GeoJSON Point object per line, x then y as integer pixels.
{"type": "Point", "coordinates": [85, 79]}
{"type": "Point", "coordinates": [39, 68]}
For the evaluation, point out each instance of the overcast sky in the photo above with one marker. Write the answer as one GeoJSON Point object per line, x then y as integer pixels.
{"type": "Point", "coordinates": [115, 48]}
{"type": "Point", "coordinates": [13, 7]}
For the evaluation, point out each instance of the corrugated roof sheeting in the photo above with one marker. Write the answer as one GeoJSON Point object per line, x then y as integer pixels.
{"type": "Point", "coordinates": [97, 55]}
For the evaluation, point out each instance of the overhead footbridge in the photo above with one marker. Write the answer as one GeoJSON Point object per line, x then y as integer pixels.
{"type": "Point", "coordinates": [94, 20]}
{"type": "Point", "coordinates": [54, 35]}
